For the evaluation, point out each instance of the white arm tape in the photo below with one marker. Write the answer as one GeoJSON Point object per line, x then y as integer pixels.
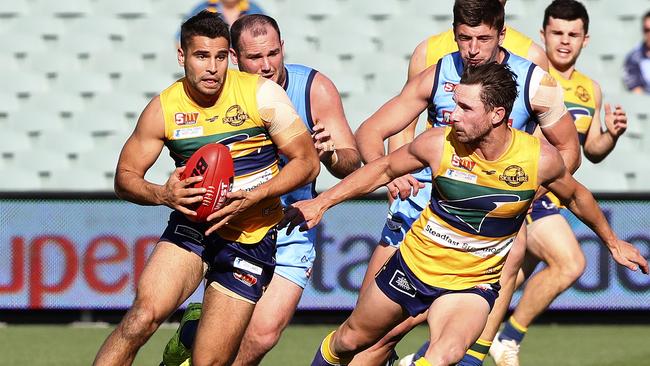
{"type": "Point", "coordinates": [546, 94]}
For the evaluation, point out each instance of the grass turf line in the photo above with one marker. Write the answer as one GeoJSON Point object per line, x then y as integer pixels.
{"type": "Point", "coordinates": [544, 345]}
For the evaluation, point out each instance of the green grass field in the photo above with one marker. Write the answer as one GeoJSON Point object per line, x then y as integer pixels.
{"type": "Point", "coordinates": [545, 345]}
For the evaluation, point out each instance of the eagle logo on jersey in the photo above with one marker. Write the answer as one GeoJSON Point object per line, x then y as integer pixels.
{"type": "Point", "coordinates": [475, 211]}
{"type": "Point", "coordinates": [514, 176]}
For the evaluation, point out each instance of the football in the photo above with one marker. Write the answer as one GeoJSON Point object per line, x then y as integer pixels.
{"type": "Point", "coordinates": [214, 163]}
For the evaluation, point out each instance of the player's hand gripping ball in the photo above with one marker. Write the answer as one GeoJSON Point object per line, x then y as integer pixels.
{"type": "Point", "coordinates": [214, 163]}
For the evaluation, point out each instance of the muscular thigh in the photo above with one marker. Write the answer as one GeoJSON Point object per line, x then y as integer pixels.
{"type": "Point", "coordinates": [552, 240]}
{"type": "Point", "coordinates": [276, 307]}
{"type": "Point", "coordinates": [170, 276]}
{"type": "Point", "coordinates": [460, 316]}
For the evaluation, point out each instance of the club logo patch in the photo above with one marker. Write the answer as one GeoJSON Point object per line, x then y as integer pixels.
{"type": "Point", "coordinates": [582, 94]}
{"type": "Point", "coordinates": [189, 232]}
{"type": "Point", "coordinates": [446, 117]}
{"type": "Point", "coordinates": [235, 116]}
{"type": "Point", "coordinates": [393, 224]}
{"type": "Point", "coordinates": [400, 283]}
{"type": "Point", "coordinates": [514, 176]}
{"type": "Point", "coordinates": [459, 162]}
{"type": "Point", "coordinates": [247, 279]}
{"type": "Point", "coordinates": [186, 118]}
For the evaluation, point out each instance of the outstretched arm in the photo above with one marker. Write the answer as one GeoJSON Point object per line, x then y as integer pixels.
{"type": "Point", "coordinates": [554, 176]}
{"type": "Point", "coordinates": [425, 150]}
{"type": "Point", "coordinates": [394, 115]}
{"type": "Point", "coordinates": [333, 138]}
{"type": "Point", "coordinates": [600, 143]}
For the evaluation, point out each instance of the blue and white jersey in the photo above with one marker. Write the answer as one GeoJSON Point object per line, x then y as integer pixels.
{"type": "Point", "coordinates": [295, 252]}
{"type": "Point", "coordinates": [448, 72]}
{"type": "Point", "coordinates": [298, 86]}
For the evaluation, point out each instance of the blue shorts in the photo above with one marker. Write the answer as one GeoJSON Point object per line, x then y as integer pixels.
{"type": "Point", "coordinates": [542, 207]}
{"type": "Point", "coordinates": [245, 269]}
{"type": "Point", "coordinates": [295, 255]}
{"type": "Point", "coordinates": [397, 282]}
{"type": "Point", "coordinates": [402, 215]}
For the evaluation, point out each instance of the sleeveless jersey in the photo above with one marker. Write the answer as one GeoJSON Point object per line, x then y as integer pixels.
{"type": "Point", "coordinates": [448, 73]}
{"type": "Point", "coordinates": [579, 99]}
{"type": "Point", "coordinates": [234, 121]}
{"type": "Point", "coordinates": [443, 43]}
{"type": "Point", "coordinates": [463, 236]}
{"type": "Point", "coordinates": [298, 86]}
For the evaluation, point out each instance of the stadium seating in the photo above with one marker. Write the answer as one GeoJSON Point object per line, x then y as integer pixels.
{"type": "Point", "coordinates": [85, 72]}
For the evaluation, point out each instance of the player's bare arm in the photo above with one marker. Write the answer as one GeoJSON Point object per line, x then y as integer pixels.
{"type": "Point", "coordinates": [138, 155]}
{"type": "Point", "coordinates": [417, 64]}
{"type": "Point", "coordinates": [425, 150]}
{"type": "Point", "coordinates": [394, 115]}
{"type": "Point", "coordinates": [333, 137]}
{"type": "Point", "coordinates": [555, 121]}
{"type": "Point", "coordinates": [600, 143]}
{"type": "Point", "coordinates": [537, 55]}
{"type": "Point", "coordinates": [289, 134]}
{"type": "Point", "coordinates": [555, 177]}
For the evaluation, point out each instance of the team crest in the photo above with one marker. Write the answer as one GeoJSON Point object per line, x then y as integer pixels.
{"type": "Point", "coordinates": [582, 94]}
{"type": "Point", "coordinates": [235, 116]}
{"type": "Point", "coordinates": [514, 176]}
{"type": "Point", "coordinates": [446, 117]}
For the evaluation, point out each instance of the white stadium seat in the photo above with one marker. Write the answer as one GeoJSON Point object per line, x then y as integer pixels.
{"type": "Point", "coordinates": [20, 180]}
{"type": "Point", "coordinates": [14, 8]}
{"type": "Point", "coordinates": [62, 8]}
{"type": "Point", "coordinates": [88, 68]}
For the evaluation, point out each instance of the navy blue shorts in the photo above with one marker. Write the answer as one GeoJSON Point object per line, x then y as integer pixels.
{"type": "Point", "coordinates": [397, 282]}
{"type": "Point", "coordinates": [542, 207]}
{"type": "Point", "coordinates": [245, 269]}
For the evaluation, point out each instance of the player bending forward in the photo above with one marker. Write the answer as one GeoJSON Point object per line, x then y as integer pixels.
{"type": "Point", "coordinates": [451, 258]}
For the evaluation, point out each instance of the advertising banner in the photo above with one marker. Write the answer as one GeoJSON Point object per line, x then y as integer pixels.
{"type": "Point", "coordinates": [88, 254]}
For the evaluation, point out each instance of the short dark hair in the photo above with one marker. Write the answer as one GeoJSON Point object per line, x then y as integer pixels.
{"type": "Point", "coordinates": [206, 24]}
{"type": "Point", "coordinates": [498, 85]}
{"type": "Point", "coordinates": [646, 15]}
{"type": "Point", "coordinates": [566, 10]}
{"type": "Point", "coordinates": [256, 23]}
{"type": "Point", "coordinates": [476, 12]}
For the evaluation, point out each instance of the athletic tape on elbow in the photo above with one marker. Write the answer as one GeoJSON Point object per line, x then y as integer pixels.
{"type": "Point", "coordinates": [549, 95]}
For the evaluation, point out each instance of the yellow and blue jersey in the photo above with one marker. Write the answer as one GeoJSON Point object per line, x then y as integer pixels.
{"type": "Point", "coordinates": [234, 121]}
{"type": "Point", "coordinates": [463, 236]}
{"type": "Point", "coordinates": [579, 98]}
